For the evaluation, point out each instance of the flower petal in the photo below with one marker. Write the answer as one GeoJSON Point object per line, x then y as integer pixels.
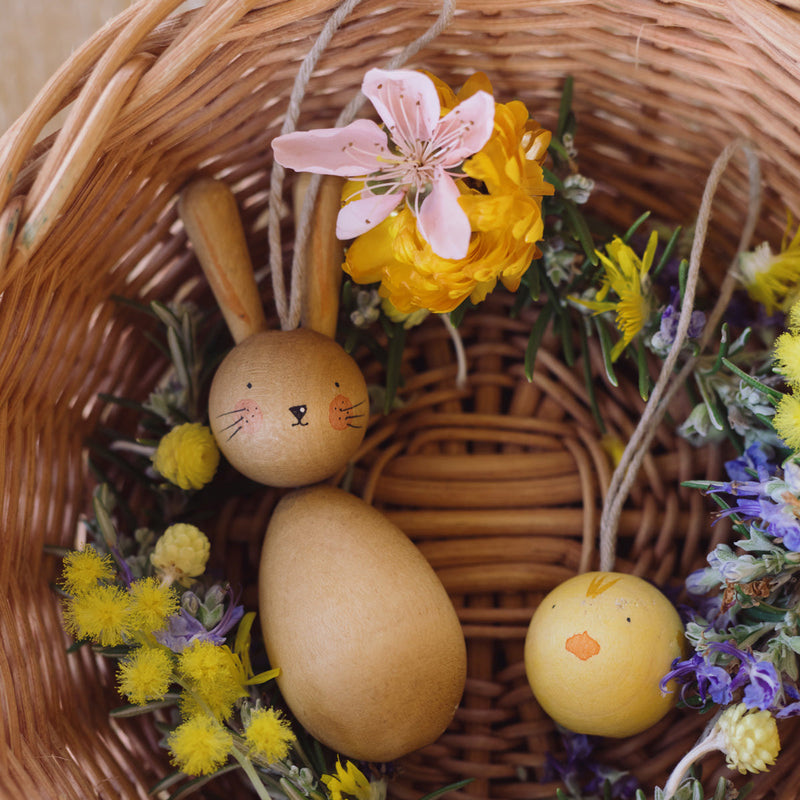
{"type": "Point", "coordinates": [407, 102]}
{"type": "Point", "coordinates": [359, 216]}
{"type": "Point", "coordinates": [463, 131]}
{"type": "Point", "coordinates": [441, 220]}
{"type": "Point", "coordinates": [354, 150]}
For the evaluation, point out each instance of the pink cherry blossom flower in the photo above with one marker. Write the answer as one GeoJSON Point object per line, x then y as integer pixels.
{"type": "Point", "coordinates": [415, 162]}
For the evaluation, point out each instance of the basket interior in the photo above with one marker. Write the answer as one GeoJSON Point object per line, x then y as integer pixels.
{"type": "Point", "coordinates": [89, 213]}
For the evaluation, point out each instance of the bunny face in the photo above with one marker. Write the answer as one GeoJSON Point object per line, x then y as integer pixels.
{"type": "Point", "coordinates": [288, 408]}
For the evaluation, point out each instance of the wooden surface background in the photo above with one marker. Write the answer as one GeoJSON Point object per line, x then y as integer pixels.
{"type": "Point", "coordinates": [36, 36]}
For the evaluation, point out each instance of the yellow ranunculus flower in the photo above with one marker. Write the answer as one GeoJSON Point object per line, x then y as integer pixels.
{"type": "Point", "coordinates": [501, 195]}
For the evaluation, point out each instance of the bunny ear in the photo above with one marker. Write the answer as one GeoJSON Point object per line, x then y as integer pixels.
{"type": "Point", "coordinates": [407, 102]}
{"type": "Point", "coordinates": [352, 151]}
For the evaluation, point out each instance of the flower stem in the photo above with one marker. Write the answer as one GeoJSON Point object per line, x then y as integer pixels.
{"type": "Point", "coordinates": [249, 770]}
{"type": "Point", "coordinates": [133, 447]}
{"type": "Point", "coordinates": [714, 741]}
{"type": "Point", "coordinates": [458, 346]}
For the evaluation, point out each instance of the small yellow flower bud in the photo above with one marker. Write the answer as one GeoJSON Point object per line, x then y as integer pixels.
{"type": "Point", "coordinates": [187, 456]}
{"type": "Point", "coordinates": [181, 552]}
{"type": "Point", "coordinates": [409, 319]}
{"type": "Point", "coordinates": [751, 738]}
{"type": "Point", "coordinates": [614, 447]}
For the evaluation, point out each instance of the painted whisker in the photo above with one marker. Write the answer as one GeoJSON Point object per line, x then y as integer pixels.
{"type": "Point", "coordinates": [237, 421]}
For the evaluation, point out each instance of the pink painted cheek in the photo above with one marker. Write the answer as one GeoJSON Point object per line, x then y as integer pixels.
{"type": "Point", "coordinates": [245, 418]}
{"type": "Point", "coordinates": [343, 413]}
{"type": "Point", "coordinates": [337, 412]}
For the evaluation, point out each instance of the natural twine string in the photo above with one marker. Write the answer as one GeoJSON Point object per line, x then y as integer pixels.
{"type": "Point", "coordinates": [289, 311]}
{"type": "Point", "coordinates": [666, 385]}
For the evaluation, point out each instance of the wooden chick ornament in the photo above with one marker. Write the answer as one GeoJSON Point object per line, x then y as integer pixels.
{"type": "Point", "coordinates": [287, 408]}
{"type": "Point", "coordinates": [371, 651]}
{"type": "Point", "coordinates": [596, 650]}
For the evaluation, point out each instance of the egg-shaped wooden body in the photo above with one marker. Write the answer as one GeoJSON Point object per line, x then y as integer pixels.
{"type": "Point", "coordinates": [288, 408]}
{"type": "Point", "coordinates": [371, 651]}
{"type": "Point", "coordinates": [596, 650]}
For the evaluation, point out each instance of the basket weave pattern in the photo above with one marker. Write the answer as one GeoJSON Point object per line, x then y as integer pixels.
{"type": "Point", "coordinates": [154, 98]}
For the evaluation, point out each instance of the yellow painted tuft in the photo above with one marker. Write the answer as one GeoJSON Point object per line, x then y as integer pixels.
{"type": "Point", "coordinates": [599, 584]}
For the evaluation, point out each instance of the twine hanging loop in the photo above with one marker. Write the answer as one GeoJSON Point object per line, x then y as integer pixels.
{"type": "Point", "coordinates": [637, 447]}
{"type": "Point", "coordinates": [289, 308]}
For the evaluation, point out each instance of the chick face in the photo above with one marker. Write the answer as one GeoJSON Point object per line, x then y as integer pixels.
{"type": "Point", "coordinates": [597, 648]}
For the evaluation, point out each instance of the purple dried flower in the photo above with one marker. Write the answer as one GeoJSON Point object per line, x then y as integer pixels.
{"type": "Point", "coordinates": [184, 628]}
{"type": "Point", "coordinates": [712, 681]}
{"type": "Point", "coordinates": [664, 337]}
{"type": "Point", "coordinates": [760, 678]}
{"type": "Point", "coordinates": [755, 459]}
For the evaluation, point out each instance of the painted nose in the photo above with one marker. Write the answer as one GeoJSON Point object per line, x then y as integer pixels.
{"type": "Point", "coordinates": [299, 412]}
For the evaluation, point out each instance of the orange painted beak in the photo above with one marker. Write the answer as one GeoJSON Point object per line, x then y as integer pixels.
{"type": "Point", "coordinates": [582, 645]}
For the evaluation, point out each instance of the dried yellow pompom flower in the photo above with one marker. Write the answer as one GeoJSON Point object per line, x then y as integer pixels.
{"type": "Point", "coordinates": [200, 746]}
{"type": "Point", "coordinates": [187, 456]}
{"type": "Point", "coordinates": [787, 421]}
{"type": "Point", "coordinates": [146, 674]}
{"type": "Point", "coordinates": [153, 602]}
{"type": "Point", "coordinates": [102, 615]}
{"type": "Point", "coordinates": [751, 738]}
{"type": "Point", "coordinates": [84, 569]}
{"type": "Point", "coordinates": [181, 552]}
{"type": "Point", "coordinates": [215, 676]}
{"type": "Point", "coordinates": [269, 735]}
{"type": "Point", "coordinates": [787, 357]}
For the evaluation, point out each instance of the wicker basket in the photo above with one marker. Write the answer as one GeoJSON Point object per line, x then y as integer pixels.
{"type": "Point", "coordinates": [156, 97]}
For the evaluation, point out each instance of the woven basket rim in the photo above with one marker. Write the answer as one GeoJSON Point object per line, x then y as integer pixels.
{"type": "Point", "coordinates": [88, 212]}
